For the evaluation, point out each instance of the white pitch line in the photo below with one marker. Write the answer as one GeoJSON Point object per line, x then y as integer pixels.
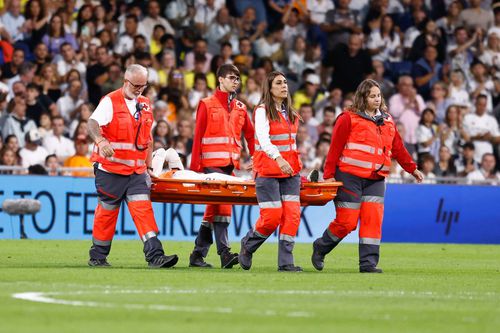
{"type": "Point", "coordinates": [47, 297]}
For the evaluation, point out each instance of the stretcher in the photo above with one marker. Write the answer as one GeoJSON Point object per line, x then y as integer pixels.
{"type": "Point", "coordinates": [229, 192]}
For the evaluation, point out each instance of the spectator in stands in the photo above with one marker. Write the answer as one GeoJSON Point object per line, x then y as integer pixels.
{"type": "Point", "coordinates": [201, 48]}
{"type": "Point", "coordinates": [311, 92]}
{"type": "Point", "coordinates": [328, 120]}
{"type": "Point", "coordinates": [248, 25]}
{"type": "Point", "coordinates": [9, 158]}
{"type": "Point", "coordinates": [56, 143]}
{"type": "Point", "coordinates": [34, 108]}
{"type": "Point", "coordinates": [340, 23]}
{"type": "Point", "coordinates": [427, 134]}
{"type": "Point", "coordinates": [427, 165]}
{"type": "Point", "coordinates": [481, 84]}
{"type": "Point", "coordinates": [351, 64]}
{"type": "Point", "coordinates": [80, 158]}
{"type": "Point", "coordinates": [153, 19]}
{"type": "Point", "coordinates": [52, 165]}
{"type": "Point", "coordinates": [427, 71]}
{"type": "Point", "coordinates": [461, 53]}
{"type": "Point", "coordinates": [487, 173]}
{"type": "Point", "coordinates": [450, 22]}
{"type": "Point", "coordinates": [45, 127]}
{"type": "Point", "coordinates": [11, 142]}
{"type": "Point", "coordinates": [167, 64]}
{"type": "Point", "coordinates": [322, 147]}
{"type": "Point", "coordinates": [16, 122]}
{"type": "Point", "coordinates": [199, 91]}
{"type": "Point", "coordinates": [306, 112]}
{"type": "Point", "coordinates": [438, 100]}
{"type": "Point", "coordinates": [49, 81]}
{"type": "Point", "coordinates": [33, 153]}
{"type": "Point", "coordinates": [114, 80]}
{"type": "Point", "coordinates": [25, 75]}
{"type": "Point", "coordinates": [482, 129]}
{"type": "Point", "coordinates": [221, 31]}
{"type": "Point", "coordinates": [11, 69]}
{"type": "Point", "coordinates": [293, 27]}
{"type": "Point", "coordinates": [42, 56]}
{"type": "Point", "coordinates": [476, 17]}
{"type": "Point", "coordinates": [431, 36]}
{"type": "Point", "coordinates": [411, 33]}
{"type": "Point", "coordinates": [67, 104]}
{"type": "Point", "coordinates": [56, 36]}
{"type": "Point", "coordinates": [451, 131]}
{"type": "Point", "coordinates": [125, 41]}
{"type": "Point", "coordinates": [69, 61]}
{"type": "Point", "coordinates": [406, 107]}
{"type": "Point", "coordinates": [465, 163]}
{"type": "Point", "coordinates": [97, 74]}
{"type": "Point", "coordinates": [184, 136]}
{"type": "Point", "coordinates": [162, 133]}
{"type": "Point", "coordinates": [384, 43]}
{"type": "Point", "coordinates": [305, 145]}
{"type": "Point", "coordinates": [457, 89]}
{"type": "Point", "coordinates": [445, 166]}
{"type": "Point", "coordinates": [14, 21]}
{"type": "Point", "coordinates": [491, 54]}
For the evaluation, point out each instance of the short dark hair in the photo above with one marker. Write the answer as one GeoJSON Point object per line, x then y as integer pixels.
{"type": "Point", "coordinates": [49, 156]}
{"type": "Point", "coordinates": [226, 69]}
{"type": "Point", "coordinates": [469, 145]}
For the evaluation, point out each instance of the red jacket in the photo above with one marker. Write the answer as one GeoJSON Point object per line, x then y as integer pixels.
{"type": "Point", "coordinates": [216, 119]}
{"type": "Point", "coordinates": [121, 133]}
{"type": "Point", "coordinates": [340, 136]}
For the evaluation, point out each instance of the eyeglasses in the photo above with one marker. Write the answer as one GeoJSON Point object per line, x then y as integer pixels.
{"type": "Point", "coordinates": [233, 78]}
{"type": "Point", "coordinates": [137, 86]}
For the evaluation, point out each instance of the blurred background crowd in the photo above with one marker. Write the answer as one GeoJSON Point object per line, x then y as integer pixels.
{"type": "Point", "coordinates": [437, 62]}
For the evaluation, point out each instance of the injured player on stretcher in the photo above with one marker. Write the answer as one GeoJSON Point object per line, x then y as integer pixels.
{"type": "Point", "coordinates": [176, 169]}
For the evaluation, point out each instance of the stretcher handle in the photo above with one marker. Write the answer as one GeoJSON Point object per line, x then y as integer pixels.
{"type": "Point", "coordinates": [203, 182]}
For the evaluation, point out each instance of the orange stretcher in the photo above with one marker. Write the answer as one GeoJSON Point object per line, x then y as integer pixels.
{"type": "Point", "coordinates": [234, 193]}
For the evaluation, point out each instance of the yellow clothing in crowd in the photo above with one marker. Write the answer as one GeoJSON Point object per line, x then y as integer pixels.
{"type": "Point", "coordinates": [77, 161]}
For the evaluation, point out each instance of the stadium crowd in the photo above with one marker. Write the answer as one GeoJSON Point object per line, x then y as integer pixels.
{"type": "Point", "coordinates": [437, 62]}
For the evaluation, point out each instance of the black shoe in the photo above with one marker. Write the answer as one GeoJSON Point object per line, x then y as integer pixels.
{"type": "Point", "coordinates": [313, 176]}
{"type": "Point", "coordinates": [163, 261]}
{"type": "Point", "coordinates": [196, 260]}
{"type": "Point", "coordinates": [228, 259]}
{"type": "Point", "coordinates": [289, 268]}
{"type": "Point", "coordinates": [98, 263]}
{"type": "Point", "coordinates": [370, 270]}
{"type": "Point", "coordinates": [317, 259]}
{"type": "Point", "coordinates": [245, 258]}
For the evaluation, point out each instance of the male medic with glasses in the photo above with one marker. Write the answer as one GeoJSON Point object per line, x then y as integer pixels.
{"type": "Point", "coordinates": [121, 129]}
{"type": "Point", "coordinates": [221, 120]}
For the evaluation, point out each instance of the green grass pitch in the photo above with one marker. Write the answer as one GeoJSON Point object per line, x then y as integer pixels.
{"type": "Point", "coordinates": [424, 288]}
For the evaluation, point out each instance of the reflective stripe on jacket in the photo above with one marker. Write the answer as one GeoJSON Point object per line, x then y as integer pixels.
{"type": "Point", "coordinates": [121, 133]}
{"type": "Point", "coordinates": [282, 134]}
{"type": "Point", "coordinates": [368, 147]}
{"type": "Point", "coordinates": [221, 142]}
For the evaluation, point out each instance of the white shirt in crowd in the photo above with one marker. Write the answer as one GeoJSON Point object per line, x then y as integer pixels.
{"type": "Point", "coordinates": [32, 157]}
{"type": "Point", "coordinates": [476, 125]}
{"type": "Point", "coordinates": [61, 146]}
{"type": "Point", "coordinates": [318, 8]}
{"type": "Point", "coordinates": [477, 177]}
{"type": "Point", "coordinates": [66, 104]}
{"type": "Point", "coordinates": [64, 67]}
